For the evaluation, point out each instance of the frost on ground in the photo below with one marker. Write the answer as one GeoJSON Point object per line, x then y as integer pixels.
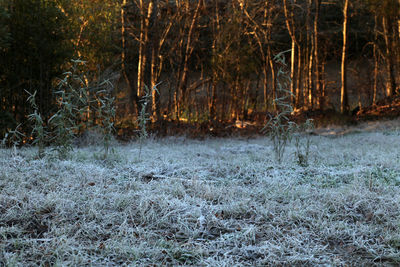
{"type": "Point", "coordinates": [219, 202]}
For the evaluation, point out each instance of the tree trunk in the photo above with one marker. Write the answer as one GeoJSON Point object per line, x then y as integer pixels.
{"type": "Point", "coordinates": [298, 78]}
{"type": "Point", "coordinates": [387, 30]}
{"type": "Point", "coordinates": [291, 28]}
{"type": "Point", "coordinates": [273, 79]}
{"type": "Point", "coordinates": [375, 89]}
{"type": "Point", "coordinates": [188, 51]}
{"type": "Point", "coordinates": [149, 45]}
{"type": "Point", "coordinates": [133, 96]}
{"type": "Point", "coordinates": [310, 54]}
{"type": "Point", "coordinates": [320, 99]}
{"type": "Point", "coordinates": [156, 65]}
{"type": "Point", "coordinates": [141, 57]}
{"type": "Point", "coordinates": [344, 102]}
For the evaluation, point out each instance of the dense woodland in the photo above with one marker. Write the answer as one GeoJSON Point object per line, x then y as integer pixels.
{"type": "Point", "coordinates": [211, 61]}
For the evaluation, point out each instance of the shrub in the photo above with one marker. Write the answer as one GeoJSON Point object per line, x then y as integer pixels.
{"type": "Point", "coordinates": [78, 110]}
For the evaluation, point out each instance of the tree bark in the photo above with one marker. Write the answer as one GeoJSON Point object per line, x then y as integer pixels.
{"type": "Point", "coordinates": [298, 77]}
{"type": "Point", "coordinates": [344, 102]}
{"type": "Point", "coordinates": [273, 78]}
{"type": "Point", "coordinates": [387, 31]}
{"type": "Point", "coordinates": [320, 99]}
{"type": "Point", "coordinates": [291, 28]}
{"type": "Point", "coordinates": [124, 69]}
{"type": "Point", "coordinates": [188, 52]}
{"type": "Point", "coordinates": [375, 48]}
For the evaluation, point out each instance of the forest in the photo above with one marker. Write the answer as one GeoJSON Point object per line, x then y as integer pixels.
{"type": "Point", "coordinates": [199, 133]}
{"type": "Point", "coordinates": [202, 63]}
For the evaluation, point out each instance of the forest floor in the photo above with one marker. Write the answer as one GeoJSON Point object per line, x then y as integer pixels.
{"type": "Point", "coordinates": [212, 202]}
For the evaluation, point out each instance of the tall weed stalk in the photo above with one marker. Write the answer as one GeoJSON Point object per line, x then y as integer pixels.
{"type": "Point", "coordinates": [72, 104]}
{"type": "Point", "coordinates": [39, 132]}
{"type": "Point", "coordinates": [144, 116]}
{"type": "Point", "coordinates": [106, 113]}
{"type": "Point", "coordinates": [303, 145]}
{"type": "Point", "coordinates": [279, 127]}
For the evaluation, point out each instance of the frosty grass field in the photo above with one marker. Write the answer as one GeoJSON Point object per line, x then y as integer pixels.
{"type": "Point", "coordinates": [217, 202]}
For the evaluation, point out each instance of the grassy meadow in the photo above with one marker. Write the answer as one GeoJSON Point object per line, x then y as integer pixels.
{"type": "Point", "coordinates": [213, 202]}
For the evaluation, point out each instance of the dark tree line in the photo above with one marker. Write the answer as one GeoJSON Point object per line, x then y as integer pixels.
{"type": "Point", "coordinates": [212, 60]}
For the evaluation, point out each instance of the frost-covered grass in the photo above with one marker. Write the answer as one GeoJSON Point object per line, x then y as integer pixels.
{"type": "Point", "coordinates": [219, 202]}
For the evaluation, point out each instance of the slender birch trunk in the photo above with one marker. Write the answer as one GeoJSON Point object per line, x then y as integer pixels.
{"type": "Point", "coordinates": [387, 30]}
{"type": "Point", "coordinates": [344, 102]}
{"type": "Point", "coordinates": [291, 28]}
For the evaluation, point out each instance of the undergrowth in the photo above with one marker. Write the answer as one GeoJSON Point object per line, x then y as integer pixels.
{"type": "Point", "coordinates": [81, 107]}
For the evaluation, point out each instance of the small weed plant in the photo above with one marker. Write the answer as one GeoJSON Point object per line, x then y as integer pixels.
{"type": "Point", "coordinates": [303, 146]}
{"type": "Point", "coordinates": [73, 103]}
{"type": "Point", "coordinates": [106, 113]}
{"type": "Point", "coordinates": [13, 138]}
{"type": "Point", "coordinates": [39, 132]}
{"type": "Point", "coordinates": [280, 128]}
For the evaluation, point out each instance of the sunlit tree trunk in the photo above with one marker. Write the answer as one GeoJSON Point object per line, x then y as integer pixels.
{"type": "Point", "coordinates": [156, 64]}
{"type": "Point", "coordinates": [387, 33]}
{"type": "Point", "coordinates": [141, 56]}
{"type": "Point", "coordinates": [124, 70]}
{"type": "Point", "coordinates": [213, 85]}
{"type": "Point", "coordinates": [398, 47]}
{"type": "Point", "coordinates": [344, 102]}
{"type": "Point", "coordinates": [310, 54]}
{"type": "Point", "coordinates": [273, 78]}
{"type": "Point", "coordinates": [292, 29]}
{"type": "Point", "coordinates": [299, 75]}
{"type": "Point", "coordinates": [320, 98]}
{"type": "Point", "coordinates": [375, 85]}
{"type": "Point", "coordinates": [188, 52]}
